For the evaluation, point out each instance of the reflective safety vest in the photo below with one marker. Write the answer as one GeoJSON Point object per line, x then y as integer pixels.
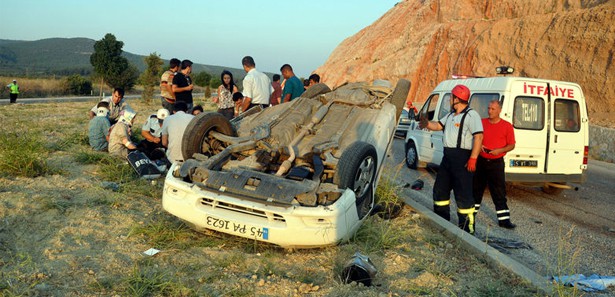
{"type": "Point", "coordinates": [14, 88]}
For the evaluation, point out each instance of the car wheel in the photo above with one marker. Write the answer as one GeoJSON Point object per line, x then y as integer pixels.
{"type": "Point", "coordinates": [196, 137]}
{"type": "Point", "coordinates": [356, 170]}
{"type": "Point", "coordinates": [552, 190]}
{"type": "Point", "coordinates": [412, 156]}
{"type": "Point", "coordinates": [316, 90]}
{"type": "Point", "coordinates": [400, 94]}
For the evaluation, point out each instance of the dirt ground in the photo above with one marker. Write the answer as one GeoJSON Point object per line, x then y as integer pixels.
{"type": "Point", "coordinates": [81, 230]}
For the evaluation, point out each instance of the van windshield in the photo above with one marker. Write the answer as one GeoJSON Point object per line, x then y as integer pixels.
{"type": "Point", "coordinates": [480, 102]}
{"type": "Point", "coordinates": [529, 113]}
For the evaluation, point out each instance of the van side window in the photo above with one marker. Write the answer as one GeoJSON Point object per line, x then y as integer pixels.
{"type": "Point", "coordinates": [529, 113]}
{"type": "Point", "coordinates": [429, 107]}
{"type": "Point", "coordinates": [445, 106]}
{"type": "Point", "coordinates": [480, 102]}
{"type": "Point", "coordinates": [567, 115]}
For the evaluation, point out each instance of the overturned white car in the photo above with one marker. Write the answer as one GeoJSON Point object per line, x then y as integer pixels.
{"type": "Point", "coordinates": [300, 174]}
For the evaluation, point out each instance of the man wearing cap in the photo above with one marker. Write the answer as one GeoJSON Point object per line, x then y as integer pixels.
{"type": "Point", "coordinates": [463, 137]}
{"type": "Point", "coordinates": [98, 129]}
{"type": "Point", "coordinates": [152, 135]}
{"type": "Point", "coordinates": [13, 91]}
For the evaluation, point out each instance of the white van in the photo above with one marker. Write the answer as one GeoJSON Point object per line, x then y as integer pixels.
{"type": "Point", "coordinates": [549, 118]}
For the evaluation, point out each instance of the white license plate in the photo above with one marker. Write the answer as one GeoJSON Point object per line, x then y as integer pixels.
{"type": "Point", "coordinates": [244, 229]}
{"type": "Point", "coordinates": [523, 163]}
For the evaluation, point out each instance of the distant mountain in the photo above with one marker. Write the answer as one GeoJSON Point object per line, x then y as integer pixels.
{"type": "Point", "coordinates": [65, 56]}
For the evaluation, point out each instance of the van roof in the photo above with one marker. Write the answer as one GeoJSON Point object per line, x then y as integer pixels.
{"type": "Point", "coordinates": [499, 83]}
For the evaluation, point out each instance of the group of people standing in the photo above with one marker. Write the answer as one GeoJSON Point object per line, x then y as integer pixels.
{"type": "Point", "coordinates": [112, 118]}
{"type": "Point", "coordinates": [474, 150]}
{"type": "Point", "coordinates": [258, 89]}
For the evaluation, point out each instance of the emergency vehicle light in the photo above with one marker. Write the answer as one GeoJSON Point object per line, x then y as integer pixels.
{"type": "Point", "coordinates": [504, 70]}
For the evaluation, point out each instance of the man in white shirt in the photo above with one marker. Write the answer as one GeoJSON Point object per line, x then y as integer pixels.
{"type": "Point", "coordinates": [173, 129]}
{"type": "Point", "coordinates": [256, 85]}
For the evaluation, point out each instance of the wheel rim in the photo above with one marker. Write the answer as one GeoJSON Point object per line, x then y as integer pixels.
{"type": "Point", "coordinates": [411, 155]}
{"type": "Point", "coordinates": [364, 176]}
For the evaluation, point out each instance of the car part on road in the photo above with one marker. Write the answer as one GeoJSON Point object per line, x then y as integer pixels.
{"type": "Point", "coordinates": [359, 269]}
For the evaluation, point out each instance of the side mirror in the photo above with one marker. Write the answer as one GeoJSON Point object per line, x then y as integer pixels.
{"type": "Point", "coordinates": [411, 115]}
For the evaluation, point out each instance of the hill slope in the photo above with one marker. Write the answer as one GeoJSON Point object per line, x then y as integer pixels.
{"type": "Point", "coordinates": [427, 41]}
{"type": "Point", "coordinates": [63, 56]}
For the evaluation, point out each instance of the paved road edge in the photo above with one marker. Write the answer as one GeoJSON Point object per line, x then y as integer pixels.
{"type": "Point", "coordinates": [479, 248]}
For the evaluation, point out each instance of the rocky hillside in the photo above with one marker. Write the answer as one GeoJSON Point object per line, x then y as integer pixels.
{"type": "Point", "coordinates": [427, 41]}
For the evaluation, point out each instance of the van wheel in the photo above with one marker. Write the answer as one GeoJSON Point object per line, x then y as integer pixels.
{"type": "Point", "coordinates": [197, 139]}
{"type": "Point", "coordinates": [552, 190]}
{"type": "Point", "coordinates": [356, 170]}
{"type": "Point", "coordinates": [412, 156]}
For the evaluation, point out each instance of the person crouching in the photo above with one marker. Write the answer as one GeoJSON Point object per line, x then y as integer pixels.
{"type": "Point", "coordinates": [119, 136]}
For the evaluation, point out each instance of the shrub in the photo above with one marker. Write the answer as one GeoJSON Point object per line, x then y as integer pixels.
{"type": "Point", "coordinates": [77, 85]}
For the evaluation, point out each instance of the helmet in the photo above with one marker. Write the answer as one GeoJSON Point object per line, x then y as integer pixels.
{"type": "Point", "coordinates": [462, 92]}
{"type": "Point", "coordinates": [102, 111]}
{"type": "Point", "coordinates": [162, 113]}
{"type": "Point", "coordinates": [127, 115]}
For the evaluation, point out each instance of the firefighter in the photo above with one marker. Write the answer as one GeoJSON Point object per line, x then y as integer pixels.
{"type": "Point", "coordinates": [463, 136]}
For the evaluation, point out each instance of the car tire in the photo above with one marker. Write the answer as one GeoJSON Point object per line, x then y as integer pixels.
{"type": "Point", "coordinates": [197, 134]}
{"type": "Point", "coordinates": [400, 95]}
{"type": "Point", "coordinates": [356, 170]}
{"type": "Point", "coordinates": [412, 156]}
{"type": "Point", "coordinates": [315, 90]}
{"type": "Point", "coordinates": [552, 190]}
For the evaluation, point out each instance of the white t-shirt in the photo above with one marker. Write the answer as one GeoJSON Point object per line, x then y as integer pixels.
{"type": "Point", "coordinates": [257, 86]}
{"type": "Point", "coordinates": [174, 126]}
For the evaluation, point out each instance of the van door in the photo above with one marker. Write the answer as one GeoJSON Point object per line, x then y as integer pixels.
{"type": "Point", "coordinates": [424, 144]}
{"type": "Point", "coordinates": [567, 135]}
{"type": "Point", "coordinates": [437, 137]}
{"type": "Point", "coordinates": [529, 120]}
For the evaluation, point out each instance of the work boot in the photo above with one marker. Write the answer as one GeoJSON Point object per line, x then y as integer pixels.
{"type": "Point", "coordinates": [506, 224]}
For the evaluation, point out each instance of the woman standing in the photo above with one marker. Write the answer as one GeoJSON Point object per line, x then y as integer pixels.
{"type": "Point", "coordinates": [225, 95]}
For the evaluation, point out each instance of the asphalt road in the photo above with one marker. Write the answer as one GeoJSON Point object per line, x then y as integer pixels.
{"type": "Point", "coordinates": [573, 232]}
{"type": "Point", "coordinates": [5, 101]}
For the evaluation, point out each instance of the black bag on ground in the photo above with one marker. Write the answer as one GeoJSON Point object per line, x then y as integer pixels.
{"type": "Point", "coordinates": [144, 167]}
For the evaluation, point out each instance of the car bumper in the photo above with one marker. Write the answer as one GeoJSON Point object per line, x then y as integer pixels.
{"type": "Point", "coordinates": [287, 226]}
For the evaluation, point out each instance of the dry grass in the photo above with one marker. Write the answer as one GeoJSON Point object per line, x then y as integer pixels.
{"type": "Point", "coordinates": [80, 228]}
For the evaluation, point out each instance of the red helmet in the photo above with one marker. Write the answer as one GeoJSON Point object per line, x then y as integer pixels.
{"type": "Point", "coordinates": [462, 92]}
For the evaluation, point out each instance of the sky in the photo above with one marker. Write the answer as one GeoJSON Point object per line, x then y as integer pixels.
{"type": "Point", "coordinates": [300, 33]}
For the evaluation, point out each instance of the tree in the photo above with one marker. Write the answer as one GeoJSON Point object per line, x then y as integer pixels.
{"type": "Point", "coordinates": [109, 64]}
{"type": "Point", "coordinates": [203, 79]}
{"type": "Point", "coordinates": [151, 76]}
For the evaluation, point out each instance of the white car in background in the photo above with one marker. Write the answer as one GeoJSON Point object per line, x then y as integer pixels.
{"type": "Point", "coordinates": [299, 175]}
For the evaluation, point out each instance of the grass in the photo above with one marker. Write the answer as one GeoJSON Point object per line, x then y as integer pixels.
{"type": "Point", "coordinates": [103, 217]}
{"type": "Point", "coordinates": [22, 154]}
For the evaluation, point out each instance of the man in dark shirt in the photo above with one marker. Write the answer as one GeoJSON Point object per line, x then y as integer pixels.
{"type": "Point", "coordinates": [182, 84]}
